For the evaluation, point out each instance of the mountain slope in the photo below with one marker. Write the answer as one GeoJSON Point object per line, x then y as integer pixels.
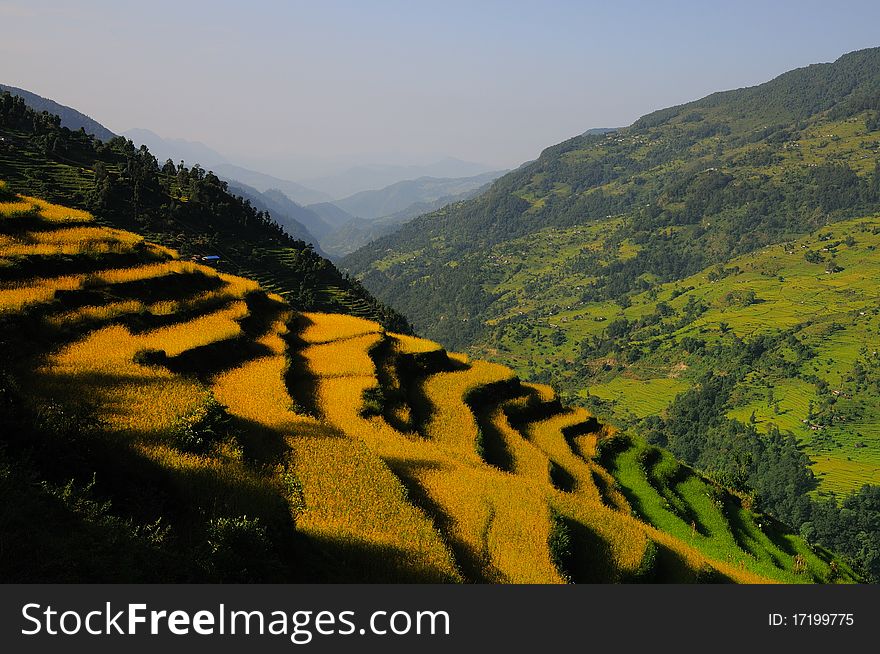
{"type": "Point", "coordinates": [680, 189]}
{"type": "Point", "coordinates": [808, 306]}
{"type": "Point", "coordinates": [296, 219]}
{"type": "Point", "coordinates": [163, 421]}
{"type": "Point", "coordinates": [70, 118]}
{"type": "Point", "coordinates": [593, 266]}
{"type": "Point", "coordinates": [185, 208]}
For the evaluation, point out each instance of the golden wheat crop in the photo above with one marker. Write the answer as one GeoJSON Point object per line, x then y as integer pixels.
{"type": "Point", "coordinates": [624, 537]}
{"type": "Point", "coordinates": [256, 390]}
{"type": "Point", "coordinates": [16, 208]}
{"type": "Point", "coordinates": [208, 328]}
{"type": "Point", "coordinates": [17, 295]}
{"type": "Point", "coordinates": [349, 465]}
{"type": "Point", "coordinates": [142, 402]}
{"type": "Point", "coordinates": [412, 345]}
{"type": "Point", "coordinates": [543, 392]}
{"type": "Point", "coordinates": [149, 271]}
{"type": "Point", "coordinates": [340, 401]}
{"type": "Point", "coordinates": [353, 500]}
{"type": "Point", "coordinates": [69, 240]}
{"type": "Point", "coordinates": [237, 286]}
{"type": "Point", "coordinates": [326, 327]}
{"type": "Point", "coordinates": [221, 480]}
{"type": "Point", "coordinates": [527, 460]}
{"type": "Point", "coordinates": [229, 291]}
{"type": "Point", "coordinates": [90, 313]}
{"type": "Point", "coordinates": [452, 424]}
{"type": "Point", "coordinates": [501, 520]}
{"type": "Point", "coordinates": [519, 534]}
{"type": "Point", "coordinates": [274, 338]}
{"type": "Point", "coordinates": [55, 213]}
{"type": "Point", "coordinates": [345, 357]}
{"type": "Point", "coordinates": [547, 435]}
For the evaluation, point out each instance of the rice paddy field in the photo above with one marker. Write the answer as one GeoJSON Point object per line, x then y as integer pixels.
{"type": "Point", "coordinates": [366, 455]}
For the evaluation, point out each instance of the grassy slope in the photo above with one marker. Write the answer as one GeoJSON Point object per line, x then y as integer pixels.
{"type": "Point", "coordinates": [360, 454]}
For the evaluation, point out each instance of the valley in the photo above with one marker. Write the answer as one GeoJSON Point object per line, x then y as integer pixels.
{"type": "Point", "coordinates": [649, 355]}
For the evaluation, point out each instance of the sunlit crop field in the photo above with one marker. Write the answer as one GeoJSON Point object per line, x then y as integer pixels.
{"type": "Point", "coordinates": [398, 461]}
{"type": "Point", "coordinates": [326, 327]}
{"type": "Point", "coordinates": [452, 423]}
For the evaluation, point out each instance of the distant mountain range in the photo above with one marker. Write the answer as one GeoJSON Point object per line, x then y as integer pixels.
{"type": "Point", "coordinates": [330, 187]}
{"type": "Point", "coordinates": [263, 182]}
{"type": "Point", "coordinates": [332, 214]}
{"type": "Point", "coordinates": [70, 118]}
{"type": "Point", "coordinates": [358, 231]}
{"type": "Point", "coordinates": [377, 176]}
{"type": "Point", "coordinates": [377, 200]}
{"type": "Point", "coordinates": [399, 196]}
{"type": "Point", "coordinates": [193, 152]}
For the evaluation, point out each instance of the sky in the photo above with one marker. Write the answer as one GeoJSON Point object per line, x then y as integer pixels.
{"type": "Point", "coordinates": [405, 82]}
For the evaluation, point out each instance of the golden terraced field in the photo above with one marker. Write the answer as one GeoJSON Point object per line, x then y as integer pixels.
{"type": "Point", "coordinates": [395, 460]}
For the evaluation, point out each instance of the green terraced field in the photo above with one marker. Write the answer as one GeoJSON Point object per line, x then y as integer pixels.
{"type": "Point", "coordinates": [837, 315]}
{"type": "Point", "coordinates": [683, 504]}
{"type": "Point", "coordinates": [641, 397]}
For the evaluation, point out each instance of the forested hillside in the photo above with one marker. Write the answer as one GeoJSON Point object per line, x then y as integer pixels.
{"type": "Point", "coordinates": [679, 190]}
{"type": "Point", "coordinates": [70, 118]}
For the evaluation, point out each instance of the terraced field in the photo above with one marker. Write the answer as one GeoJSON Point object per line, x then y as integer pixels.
{"type": "Point", "coordinates": [388, 458]}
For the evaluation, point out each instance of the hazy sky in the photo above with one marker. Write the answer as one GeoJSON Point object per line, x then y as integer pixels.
{"type": "Point", "coordinates": [492, 82]}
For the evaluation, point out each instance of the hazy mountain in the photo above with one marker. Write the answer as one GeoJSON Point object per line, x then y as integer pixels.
{"type": "Point", "coordinates": [401, 195]}
{"type": "Point", "coordinates": [262, 182]}
{"type": "Point", "coordinates": [332, 214]}
{"type": "Point", "coordinates": [192, 152]}
{"type": "Point", "coordinates": [377, 176]}
{"type": "Point", "coordinates": [298, 221]}
{"type": "Point", "coordinates": [358, 232]}
{"type": "Point", "coordinates": [70, 118]}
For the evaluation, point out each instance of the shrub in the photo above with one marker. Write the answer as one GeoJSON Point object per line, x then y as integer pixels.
{"type": "Point", "coordinates": [559, 544]}
{"type": "Point", "coordinates": [199, 431]}
{"type": "Point", "coordinates": [150, 357]}
{"type": "Point", "coordinates": [373, 402]}
{"type": "Point", "coordinates": [239, 550]}
{"type": "Point", "coordinates": [69, 421]}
